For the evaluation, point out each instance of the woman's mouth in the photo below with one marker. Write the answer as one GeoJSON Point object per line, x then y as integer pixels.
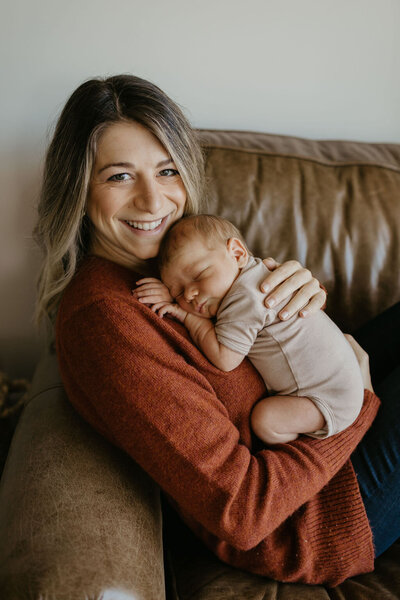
{"type": "Point", "coordinates": [146, 227]}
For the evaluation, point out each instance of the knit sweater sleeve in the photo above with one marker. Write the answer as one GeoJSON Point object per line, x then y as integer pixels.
{"type": "Point", "coordinates": [126, 372]}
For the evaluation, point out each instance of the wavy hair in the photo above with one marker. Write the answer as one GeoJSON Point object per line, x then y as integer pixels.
{"type": "Point", "coordinates": [63, 230]}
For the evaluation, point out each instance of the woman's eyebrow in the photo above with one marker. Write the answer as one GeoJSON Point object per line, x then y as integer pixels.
{"type": "Point", "coordinates": [129, 165]}
{"type": "Point", "coordinates": [164, 162]}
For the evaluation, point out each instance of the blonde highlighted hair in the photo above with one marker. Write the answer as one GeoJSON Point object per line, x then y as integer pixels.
{"type": "Point", "coordinates": [211, 228]}
{"type": "Point", "coordinates": [63, 230]}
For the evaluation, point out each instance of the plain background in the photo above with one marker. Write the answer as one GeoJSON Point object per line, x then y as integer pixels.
{"type": "Point", "coordinates": [326, 69]}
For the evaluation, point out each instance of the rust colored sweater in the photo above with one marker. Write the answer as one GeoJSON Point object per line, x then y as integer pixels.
{"type": "Point", "coordinates": [292, 512]}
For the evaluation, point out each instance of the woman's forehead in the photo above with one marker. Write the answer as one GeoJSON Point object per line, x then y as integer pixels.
{"type": "Point", "coordinates": [124, 139]}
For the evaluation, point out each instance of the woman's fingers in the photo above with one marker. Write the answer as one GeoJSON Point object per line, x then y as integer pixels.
{"type": "Point", "coordinates": [301, 304]}
{"type": "Point", "coordinates": [286, 279]}
{"type": "Point", "coordinates": [291, 278]}
{"type": "Point", "coordinates": [363, 361]}
{"type": "Point", "coordinates": [315, 304]}
{"type": "Point", "coordinates": [271, 263]}
{"type": "Point", "coordinates": [280, 272]}
{"type": "Point", "coordinates": [300, 281]}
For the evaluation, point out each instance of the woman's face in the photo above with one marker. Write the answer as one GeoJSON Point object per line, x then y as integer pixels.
{"type": "Point", "coordinates": [135, 194]}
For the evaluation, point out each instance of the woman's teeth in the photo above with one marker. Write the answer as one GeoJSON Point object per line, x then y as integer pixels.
{"type": "Point", "coordinates": [147, 226]}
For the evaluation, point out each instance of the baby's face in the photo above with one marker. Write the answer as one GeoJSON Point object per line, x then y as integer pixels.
{"type": "Point", "coordinates": [199, 277]}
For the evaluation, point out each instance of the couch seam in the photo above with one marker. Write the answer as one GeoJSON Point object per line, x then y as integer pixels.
{"type": "Point", "coordinates": [332, 164]}
{"type": "Point", "coordinates": [43, 391]}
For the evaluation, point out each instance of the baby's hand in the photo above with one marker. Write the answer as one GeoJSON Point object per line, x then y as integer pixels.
{"type": "Point", "coordinates": [152, 291]}
{"type": "Point", "coordinates": [173, 309]}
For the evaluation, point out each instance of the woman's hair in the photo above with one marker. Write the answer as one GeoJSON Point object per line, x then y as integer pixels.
{"type": "Point", "coordinates": [214, 230]}
{"type": "Point", "coordinates": [63, 230]}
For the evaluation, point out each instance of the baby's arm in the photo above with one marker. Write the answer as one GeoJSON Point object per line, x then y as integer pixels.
{"type": "Point", "coordinates": [154, 292]}
{"type": "Point", "coordinates": [203, 334]}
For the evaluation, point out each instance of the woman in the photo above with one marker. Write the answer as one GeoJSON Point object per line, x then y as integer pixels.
{"type": "Point", "coordinates": [122, 167]}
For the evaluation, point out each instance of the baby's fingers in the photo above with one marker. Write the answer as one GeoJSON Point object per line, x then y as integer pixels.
{"type": "Point", "coordinates": [158, 306]}
{"type": "Point", "coordinates": [147, 290]}
{"type": "Point", "coordinates": [150, 285]}
{"type": "Point", "coordinates": [165, 309]}
{"type": "Point", "coordinates": [152, 298]}
{"type": "Point", "coordinates": [152, 292]}
{"type": "Point", "coordinates": [147, 280]}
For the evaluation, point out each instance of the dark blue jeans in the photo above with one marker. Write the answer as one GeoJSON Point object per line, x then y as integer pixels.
{"type": "Point", "coordinates": [376, 460]}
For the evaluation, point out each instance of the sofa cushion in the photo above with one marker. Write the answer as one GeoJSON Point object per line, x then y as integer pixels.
{"type": "Point", "coordinates": [78, 518]}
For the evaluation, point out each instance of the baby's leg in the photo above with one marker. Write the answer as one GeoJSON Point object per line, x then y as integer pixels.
{"type": "Point", "coordinates": [280, 419]}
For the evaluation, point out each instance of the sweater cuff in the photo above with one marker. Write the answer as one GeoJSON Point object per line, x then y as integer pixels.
{"type": "Point", "coordinates": [337, 449]}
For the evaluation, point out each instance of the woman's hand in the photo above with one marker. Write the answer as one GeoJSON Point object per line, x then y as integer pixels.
{"type": "Point", "coordinates": [363, 360]}
{"type": "Point", "coordinates": [152, 291]}
{"type": "Point", "coordinates": [289, 278]}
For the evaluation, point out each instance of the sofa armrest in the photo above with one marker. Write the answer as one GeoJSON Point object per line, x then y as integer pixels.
{"type": "Point", "coordinates": [78, 519]}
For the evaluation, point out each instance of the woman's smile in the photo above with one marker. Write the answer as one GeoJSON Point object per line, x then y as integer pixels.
{"type": "Point", "coordinates": [147, 227]}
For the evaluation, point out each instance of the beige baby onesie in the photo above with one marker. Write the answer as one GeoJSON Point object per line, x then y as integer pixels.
{"type": "Point", "coordinates": [298, 357]}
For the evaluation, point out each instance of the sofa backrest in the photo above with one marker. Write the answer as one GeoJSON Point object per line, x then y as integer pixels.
{"type": "Point", "coordinates": [332, 205]}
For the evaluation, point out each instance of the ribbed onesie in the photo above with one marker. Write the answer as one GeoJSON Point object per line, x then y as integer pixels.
{"type": "Point", "coordinates": [298, 357]}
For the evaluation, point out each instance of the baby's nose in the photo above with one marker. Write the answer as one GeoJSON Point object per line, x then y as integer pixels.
{"type": "Point", "coordinates": [190, 293]}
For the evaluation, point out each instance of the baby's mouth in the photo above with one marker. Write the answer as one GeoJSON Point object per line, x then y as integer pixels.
{"type": "Point", "coordinates": [200, 306]}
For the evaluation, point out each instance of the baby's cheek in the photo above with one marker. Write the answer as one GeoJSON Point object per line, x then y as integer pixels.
{"type": "Point", "coordinates": [181, 302]}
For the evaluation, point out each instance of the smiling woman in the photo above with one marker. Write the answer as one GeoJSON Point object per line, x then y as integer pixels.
{"type": "Point", "coordinates": [135, 194]}
{"type": "Point", "coordinates": [123, 167]}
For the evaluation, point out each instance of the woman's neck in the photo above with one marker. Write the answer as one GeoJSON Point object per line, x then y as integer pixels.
{"type": "Point", "coordinates": [148, 268]}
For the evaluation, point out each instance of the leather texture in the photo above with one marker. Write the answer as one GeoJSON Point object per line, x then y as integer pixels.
{"type": "Point", "coordinates": [78, 520]}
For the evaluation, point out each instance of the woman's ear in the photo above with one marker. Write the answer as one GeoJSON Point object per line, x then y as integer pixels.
{"type": "Point", "coordinates": [238, 250]}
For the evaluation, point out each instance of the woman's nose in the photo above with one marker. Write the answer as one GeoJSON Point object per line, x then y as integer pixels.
{"type": "Point", "coordinates": [147, 196]}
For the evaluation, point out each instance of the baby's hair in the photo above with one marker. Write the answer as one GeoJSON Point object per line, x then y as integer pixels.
{"type": "Point", "coordinates": [212, 229]}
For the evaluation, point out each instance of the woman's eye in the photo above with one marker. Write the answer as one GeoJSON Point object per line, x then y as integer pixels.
{"type": "Point", "coordinates": [169, 172]}
{"type": "Point", "coordinates": [119, 177]}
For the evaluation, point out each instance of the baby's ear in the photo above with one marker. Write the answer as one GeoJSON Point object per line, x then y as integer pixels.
{"type": "Point", "coordinates": [238, 250]}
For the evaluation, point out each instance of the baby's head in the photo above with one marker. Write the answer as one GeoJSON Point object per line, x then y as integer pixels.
{"type": "Point", "coordinates": [200, 257]}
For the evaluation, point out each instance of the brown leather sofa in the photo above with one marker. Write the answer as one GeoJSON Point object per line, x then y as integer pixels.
{"type": "Point", "coordinates": [78, 519]}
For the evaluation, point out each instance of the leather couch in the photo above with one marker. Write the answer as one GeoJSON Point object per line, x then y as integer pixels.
{"type": "Point", "coordinates": [78, 519]}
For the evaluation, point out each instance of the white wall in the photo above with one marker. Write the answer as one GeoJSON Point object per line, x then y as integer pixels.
{"type": "Point", "coordinates": [312, 68]}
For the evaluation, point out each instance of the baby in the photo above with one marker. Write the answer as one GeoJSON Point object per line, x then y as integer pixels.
{"type": "Point", "coordinates": [309, 368]}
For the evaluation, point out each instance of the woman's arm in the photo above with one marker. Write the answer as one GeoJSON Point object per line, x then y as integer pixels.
{"type": "Point", "coordinates": [135, 378]}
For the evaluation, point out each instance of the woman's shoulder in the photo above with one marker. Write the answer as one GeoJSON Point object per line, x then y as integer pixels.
{"type": "Point", "coordinates": [97, 280]}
